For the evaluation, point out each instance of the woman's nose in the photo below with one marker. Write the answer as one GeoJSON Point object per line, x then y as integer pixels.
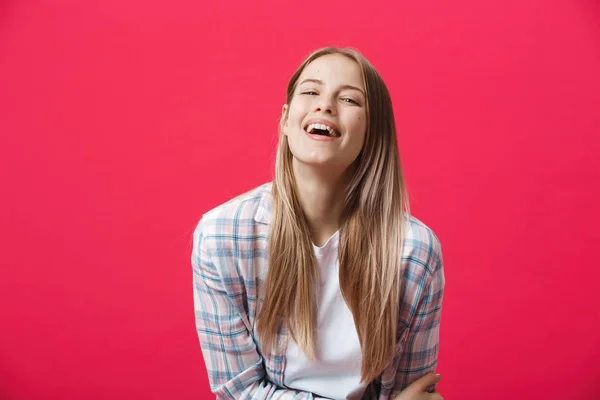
{"type": "Point", "coordinates": [325, 105]}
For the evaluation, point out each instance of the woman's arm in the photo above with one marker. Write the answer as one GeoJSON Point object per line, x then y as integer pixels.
{"type": "Point", "coordinates": [235, 369]}
{"type": "Point", "coordinates": [420, 353]}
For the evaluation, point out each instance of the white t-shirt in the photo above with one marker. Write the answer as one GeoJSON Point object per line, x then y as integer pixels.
{"type": "Point", "coordinates": [335, 372]}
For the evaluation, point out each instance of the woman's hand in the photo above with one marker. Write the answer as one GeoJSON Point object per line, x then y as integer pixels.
{"type": "Point", "coordinates": [416, 390]}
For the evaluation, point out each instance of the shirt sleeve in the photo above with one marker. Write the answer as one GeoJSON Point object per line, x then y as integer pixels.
{"type": "Point", "coordinates": [420, 353]}
{"type": "Point", "coordinates": [235, 368]}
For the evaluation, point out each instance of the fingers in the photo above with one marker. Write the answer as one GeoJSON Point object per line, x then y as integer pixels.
{"type": "Point", "coordinates": [426, 380]}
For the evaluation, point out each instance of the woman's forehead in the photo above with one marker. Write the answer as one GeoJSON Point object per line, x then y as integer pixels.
{"type": "Point", "coordinates": [333, 69]}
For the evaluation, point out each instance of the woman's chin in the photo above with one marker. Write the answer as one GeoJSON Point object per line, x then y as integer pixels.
{"type": "Point", "coordinates": [320, 162]}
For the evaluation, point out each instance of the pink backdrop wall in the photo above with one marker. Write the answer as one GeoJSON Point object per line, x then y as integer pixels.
{"type": "Point", "coordinates": [123, 121]}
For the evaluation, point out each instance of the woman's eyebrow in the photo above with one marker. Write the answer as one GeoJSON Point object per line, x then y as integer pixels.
{"type": "Point", "coordinates": [320, 82]}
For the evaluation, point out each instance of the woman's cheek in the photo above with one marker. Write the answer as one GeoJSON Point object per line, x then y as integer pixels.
{"type": "Point", "coordinates": [359, 124]}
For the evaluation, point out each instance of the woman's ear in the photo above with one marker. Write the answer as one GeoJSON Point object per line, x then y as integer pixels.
{"type": "Point", "coordinates": [284, 117]}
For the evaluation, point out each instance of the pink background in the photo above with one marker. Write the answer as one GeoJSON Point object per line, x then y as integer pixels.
{"type": "Point", "coordinates": [123, 121]}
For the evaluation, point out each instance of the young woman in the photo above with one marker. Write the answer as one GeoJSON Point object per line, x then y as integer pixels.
{"type": "Point", "coordinates": [321, 284]}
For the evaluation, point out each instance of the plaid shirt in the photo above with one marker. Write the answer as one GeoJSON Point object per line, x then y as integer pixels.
{"type": "Point", "coordinates": [229, 260]}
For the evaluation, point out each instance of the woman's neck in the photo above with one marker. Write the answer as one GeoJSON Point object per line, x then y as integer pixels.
{"type": "Point", "coordinates": [321, 195]}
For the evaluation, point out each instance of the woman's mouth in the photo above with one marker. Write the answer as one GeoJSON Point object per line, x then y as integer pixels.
{"type": "Point", "coordinates": [321, 130]}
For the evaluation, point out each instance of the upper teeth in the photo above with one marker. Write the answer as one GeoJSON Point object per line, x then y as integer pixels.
{"type": "Point", "coordinates": [311, 127]}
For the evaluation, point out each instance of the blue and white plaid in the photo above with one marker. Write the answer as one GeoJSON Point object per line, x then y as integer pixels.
{"type": "Point", "coordinates": [229, 260]}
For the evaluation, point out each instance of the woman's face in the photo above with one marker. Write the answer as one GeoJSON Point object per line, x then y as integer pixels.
{"type": "Point", "coordinates": [326, 120]}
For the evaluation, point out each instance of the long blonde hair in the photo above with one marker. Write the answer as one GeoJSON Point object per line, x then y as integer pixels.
{"type": "Point", "coordinates": [371, 237]}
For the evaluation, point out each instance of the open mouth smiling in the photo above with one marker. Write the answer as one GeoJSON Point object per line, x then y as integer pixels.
{"type": "Point", "coordinates": [318, 128]}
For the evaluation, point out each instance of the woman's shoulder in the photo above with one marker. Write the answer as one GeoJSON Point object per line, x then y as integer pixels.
{"type": "Point", "coordinates": [422, 247]}
{"type": "Point", "coordinates": [253, 206]}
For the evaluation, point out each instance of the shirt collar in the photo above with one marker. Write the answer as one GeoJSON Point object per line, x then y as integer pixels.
{"type": "Point", "coordinates": [265, 205]}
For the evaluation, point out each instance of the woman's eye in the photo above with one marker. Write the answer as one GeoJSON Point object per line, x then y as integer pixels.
{"type": "Point", "coordinates": [349, 100]}
{"type": "Point", "coordinates": [310, 92]}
